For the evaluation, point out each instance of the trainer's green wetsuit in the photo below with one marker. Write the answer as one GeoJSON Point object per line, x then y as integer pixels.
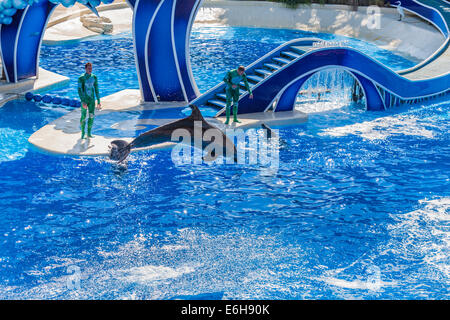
{"type": "Point", "coordinates": [88, 91]}
{"type": "Point", "coordinates": [233, 78]}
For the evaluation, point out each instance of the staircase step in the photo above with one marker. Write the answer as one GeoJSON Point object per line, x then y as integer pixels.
{"type": "Point", "coordinates": [222, 96]}
{"type": "Point", "coordinates": [250, 84]}
{"type": "Point", "coordinates": [281, 60]}
{"type": "Point", "coordinates": [300, 49]}
{"type": "Point", "coordinates": [290, 54]}
{"type": "Point", "coordinates": [217, 103]}
{"type": "Point", "coordinates": [254, 78]}
{"type": "Point", "coordinates": [264, 72]}
{"type": "Point", "coordinates": [272, 66]}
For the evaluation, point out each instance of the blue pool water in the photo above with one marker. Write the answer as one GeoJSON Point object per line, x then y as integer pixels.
{"type": "Point", "coordinates": [359, 207]}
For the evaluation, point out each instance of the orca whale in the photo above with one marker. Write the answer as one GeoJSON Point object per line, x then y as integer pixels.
{"type": "Point", "coordinates": [120, 149]}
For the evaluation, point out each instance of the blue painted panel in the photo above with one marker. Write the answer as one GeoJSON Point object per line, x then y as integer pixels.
{"type": "Point", "coordinates": [29, 40]}
{"type": "Point", "coordinates": [182, 30]}
{"type": "Point", "coordinates": [428, 13]}
{"type": "Point", "coordinates": [143, 14]}
{"type": "Point", "coordinates": [8, 35]}
{"type": "Point", "coordinates": [161, 59]}
{"type": "Point", "coordinates": [374, 101]}
{"type": "Point", "coordinates": [387, 99]}
{"type": "Point", "coordinates": [288, 98]}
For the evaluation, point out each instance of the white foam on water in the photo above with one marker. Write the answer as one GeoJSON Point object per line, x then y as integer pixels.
{"type": "Point", "coordinates": [419, 239]}
{"type": "Point", "coordinates": [428, 235]}
{"type": "Point", "coordinates": [191, 262]}
{"type": "Point", "coordinates": [356, 284]}
{"type": "Point", "coordinates": [174, 247]}
{"type": "Point", "coordinates": [317, 107]}
{"type": "Point", "coordinates": [13, 144]}
{"type": "Point", "coordinates": [381, 128]}
{"type": "Point", "coordinates": [153, 273]}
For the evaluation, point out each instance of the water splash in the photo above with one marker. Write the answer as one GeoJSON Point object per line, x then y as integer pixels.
{"type": "Point", "coordinates": [325, 90]}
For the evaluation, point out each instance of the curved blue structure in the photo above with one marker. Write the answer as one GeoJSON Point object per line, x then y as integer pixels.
{"type": "Point", "coordinates": [161, 32]}
{"type": "Point", "coordinates": [21, 38]}
{"type": "Point", "coordinates": [20, 41]}
{"type": "Point", "coordinates": [431, 10]}
{"type": "Point", "coordinates": [277, 78]}
{"type": "Point", "coordinates": [435, 12]}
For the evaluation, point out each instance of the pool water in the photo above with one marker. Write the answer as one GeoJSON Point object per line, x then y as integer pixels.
{"type": "Point", "coordinates": [359, 207]}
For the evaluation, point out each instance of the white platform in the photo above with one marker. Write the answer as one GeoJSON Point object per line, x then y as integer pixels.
{"type": "Point", "coordinates": [63, 135]}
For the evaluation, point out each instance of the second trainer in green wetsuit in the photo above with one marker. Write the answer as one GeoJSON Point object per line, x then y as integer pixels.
{"type": "Point", "coordinates": [232, 80]}
{"type": "Point", "coordinates": [88, 92]}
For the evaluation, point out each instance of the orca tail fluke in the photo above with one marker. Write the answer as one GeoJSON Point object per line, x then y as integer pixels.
{"type": "Point", "coordinates": [119, 150]}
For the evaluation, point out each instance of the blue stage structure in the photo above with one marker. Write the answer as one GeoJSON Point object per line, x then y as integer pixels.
{"type": "Point", "coordinates": [277, 77]}
{"type": "Point", "coordinates": [20, 41]}
{"type": "Point", "coordinates": [21, 38]}
{"type": "Point", "coordinates": [161, 32]}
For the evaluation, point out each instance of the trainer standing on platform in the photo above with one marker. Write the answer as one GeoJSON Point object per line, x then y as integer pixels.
{"type": "Point", "coordinates": [232, 80]}
{"type": "Point", "coordinates": [88, 91]}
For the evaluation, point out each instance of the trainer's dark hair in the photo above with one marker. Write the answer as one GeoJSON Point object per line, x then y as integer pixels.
{"type": "Point", "coordinates": [87, 65]}
{"type": "Point", "coordinates": [241, 68]}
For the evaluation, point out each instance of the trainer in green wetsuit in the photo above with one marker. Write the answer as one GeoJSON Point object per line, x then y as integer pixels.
{"type": "Point", "coordinates": [88, 91]}
{"type": "Point", "coordinates": [232, 80]}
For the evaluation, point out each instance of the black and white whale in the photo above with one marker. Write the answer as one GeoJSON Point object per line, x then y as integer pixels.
{"type": "Point", "coordinates": [195, 125]}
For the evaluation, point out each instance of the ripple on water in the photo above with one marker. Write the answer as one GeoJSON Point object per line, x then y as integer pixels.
{"type": "Point", "coordinates": [13, 144]}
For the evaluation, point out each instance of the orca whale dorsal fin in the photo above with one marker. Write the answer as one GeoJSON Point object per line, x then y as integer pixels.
{"type": "Point", "coordinates": [196, 114]}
